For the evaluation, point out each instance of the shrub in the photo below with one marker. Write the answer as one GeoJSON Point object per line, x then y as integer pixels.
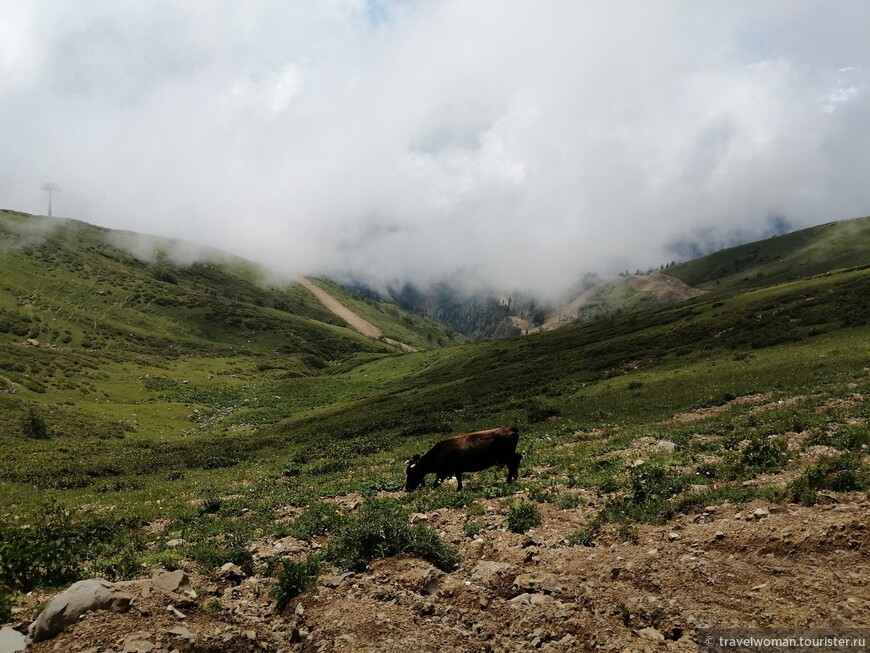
{"type": "Point", "coordinates": [522, 516]}
{"type": "Point", "coordinates": [381, 529]}
{"type": "Point", "coordinates": [53, 550]}
{"type": "Point", "coordinates": [211, 506]}
{"type": "Point", "coordinates": [764, 455]}
{"type": "Point", "coordinates": [33, 426]}
{"type": "Point", "coordinates": [212, 553]}
{"type": "Point", "coordinates": [651, 484]}
{"type": "Point", "coordinates": [843, 473]}
{"type": "Point", "coordinates": [472, 527]}
{"type": "Point", "coordinates": [296, 576]}
{"type": "Point", "coordinates": [628, 533]}
{"type": "Point", "coordinates": [6, 602]}
{"type": "Point", "coordinates": [583, 536]}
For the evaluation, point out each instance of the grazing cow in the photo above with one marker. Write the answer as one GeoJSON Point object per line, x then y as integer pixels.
{"type": "Point", "coordinates": [471, 452]}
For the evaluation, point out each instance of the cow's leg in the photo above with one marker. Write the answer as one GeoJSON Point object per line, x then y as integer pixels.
{"type": "Point", "coordinates": [514, 467]}
{"type": "Point", "coordinates": [458, 481]}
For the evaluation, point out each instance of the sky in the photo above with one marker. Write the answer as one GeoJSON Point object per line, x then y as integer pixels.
{"type": "Point", "coordinates": [500, 143]}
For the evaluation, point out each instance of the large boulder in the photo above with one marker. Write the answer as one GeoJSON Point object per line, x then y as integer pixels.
{"type": "Point", "coordinates": [79, 598]}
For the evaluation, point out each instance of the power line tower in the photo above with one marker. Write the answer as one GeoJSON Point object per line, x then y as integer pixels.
{"type": "Point", "coordinates": [51, 188]}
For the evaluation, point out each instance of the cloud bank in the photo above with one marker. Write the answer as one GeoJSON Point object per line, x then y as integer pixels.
{"type": "Point", "coordinates": [509, 143]}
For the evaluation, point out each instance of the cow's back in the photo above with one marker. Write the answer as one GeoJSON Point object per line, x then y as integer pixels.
{"type": "Point", "coordinates": [477, 451]}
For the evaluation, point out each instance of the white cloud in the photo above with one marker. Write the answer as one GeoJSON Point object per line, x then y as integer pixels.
{"type": "Point", "coordinates": [519, 143]}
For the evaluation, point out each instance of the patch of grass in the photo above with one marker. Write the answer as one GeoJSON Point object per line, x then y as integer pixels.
{"type": "Point", "coordinates": [213, 552]}
{"type": "Point", "coordinates": [584, 535]}
{"type": "Point", "coordinates": [295, 577]}
{"type": "Point", "coordinates": [472, 527]}
{"type": "Point", "coordinates": [628, 533]}
{"type": "Point", "coordinates": [522, 515]}
{"type": "Point", "coordinates": [316, 519]}
{"type": "Point", "coordinates": [381, 529]}
{"type": "Point", "coordinates": [762, 454]}
{"type": "Point", "coordinates": [844, 473]}
{"type": "Point", "coordinates": [56, 549]}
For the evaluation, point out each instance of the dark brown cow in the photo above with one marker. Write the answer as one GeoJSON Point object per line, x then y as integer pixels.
{"type": "Point", "coordinates": [471, 452]}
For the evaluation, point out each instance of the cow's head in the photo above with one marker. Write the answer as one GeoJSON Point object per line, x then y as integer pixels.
{"type": "Point", "coordinates": [416, 475]}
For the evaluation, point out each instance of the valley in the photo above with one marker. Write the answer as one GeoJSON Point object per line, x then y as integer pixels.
{"type": "Point", "coordinates": [695, 464]}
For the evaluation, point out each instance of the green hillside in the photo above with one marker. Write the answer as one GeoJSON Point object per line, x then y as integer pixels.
{"type": "Point", "coordinates": [804, 253]}
{"type": "Point", "coordinates": [132, 392]}
{"type": "Point", "coordinates": [111, 351]}
{"type": "Point", "coordinates": [396, 323]}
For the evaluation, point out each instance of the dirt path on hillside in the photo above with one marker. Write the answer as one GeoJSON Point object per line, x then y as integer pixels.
{"type": "Point", "coordinates": [664, 287]}
{"type": "Point", "coordinates": [353, 320]}
{"type": "Point", "coordinates": [569, 312]}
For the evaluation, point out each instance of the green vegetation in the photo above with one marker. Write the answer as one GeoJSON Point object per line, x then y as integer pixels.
{"type": "Point", "coordinates": [207, 401]}
{"type": "Point", "coordinates": [522, 516]}
{"type": "Point", "coordinates": [295, 577]}
{"type": "Point", "coordinates": [380, 530]}
{"type": "Point", "coordinates": [792, 256]}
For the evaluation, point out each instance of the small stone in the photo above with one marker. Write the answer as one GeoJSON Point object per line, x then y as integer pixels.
{"type": "Point", "coordinates": [719, 535]}
{"type": "Point", "coordinates": [651, 634]}
{"type": "Point", "coordinates": [538, 599]}
{"type": "Point", "coordinates": [179, 631]}
{"type": "Point", "coordinates": [175, 543]}
{"type": "Point", "coordinates": [300, 609]}
{"type": "Point", "coordinates": [760, 513]}
{"type": "Point", "coordinates": [231, 571]}
{"type": "Point", "coordinates": [673, 537]}
{"type": "Point", "coordinates": [666, 445]}
{"type": "Point", "coordinates": [418, 517]}
{"type": "Point", "coordinates": [525, 598]}
{"type": "Point", "coordinates": [250, 635]}
{"type": "Point", "coordinates": [171, 609]}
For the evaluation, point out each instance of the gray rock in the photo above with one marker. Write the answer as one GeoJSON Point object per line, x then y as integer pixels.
{"type": "Point", "coordinates": [137, 646]}
{"type": "Point", "coordinates": [84, 596]}
{"type": "Point", "coordinates": [666, 445]}
{"type": "Point", "coordinates": [172, 582]}
{"type": "Point", "coordinates": [651, 634]}
{"type": "Point", "coordinates": [11, 641]}
{"type": "Point", "coordinates": [182, 632]}
{"type": "Point", "coordinates": [533, 583]}
{"type": "Point", "coordinates": [488, 572]}
{"type": "Point", "coordinates": [231, 572]}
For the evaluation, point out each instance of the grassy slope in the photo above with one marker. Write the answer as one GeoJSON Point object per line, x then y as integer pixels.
{"type": "Point", "coordinates": [130, 433]}
{"type": "Point", "coordinates": [843, 244]}
{"type": "Point", "coordinates": [394, 322]}
{"type": "Point", "coordinates": [130, 363]}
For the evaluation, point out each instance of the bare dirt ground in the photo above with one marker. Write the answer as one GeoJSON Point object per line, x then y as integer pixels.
{"type": "Point", "coordinates": [570, 311]}
{"type": "Point", "coordinates": [353, 320]}
{"type": "Point", "coordinates": [664, 287]}
{"type": "Point", "coordinates": [754, 565]}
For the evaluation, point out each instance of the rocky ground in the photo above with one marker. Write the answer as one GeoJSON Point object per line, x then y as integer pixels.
{"type": "Point", "coordinates": [755, 565]}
